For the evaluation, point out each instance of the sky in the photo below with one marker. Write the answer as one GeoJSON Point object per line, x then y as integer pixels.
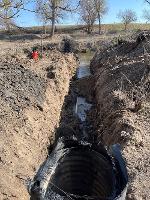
{"type": "Point", "coordinates": [27, 19]}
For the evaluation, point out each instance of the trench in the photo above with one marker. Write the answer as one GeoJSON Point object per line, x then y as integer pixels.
{"type": "Point", "coordinates": [82, 106]}
{"type": "Point", "coordinates": [78, 167]}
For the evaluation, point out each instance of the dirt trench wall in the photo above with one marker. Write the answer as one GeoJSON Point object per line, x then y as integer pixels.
{"type": "Point", "coordinates": [31, 97]}
{"type": "Point", "coordinates": [122, 107]}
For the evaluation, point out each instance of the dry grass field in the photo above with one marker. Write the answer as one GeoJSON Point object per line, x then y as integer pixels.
{"type": "Point", "coordinates": [79, 28]}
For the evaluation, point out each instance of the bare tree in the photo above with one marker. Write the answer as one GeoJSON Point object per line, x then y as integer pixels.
{"type": "Point", "coordinates": [101, 10]}
{"type": "Point", "coordinates": [146, 15]}
{"type": "Point", "coordinates": [43, 13]}
{"type": "Point", "coordinates": [147, 1]}
{"type": "Point", "coordinates": [52, 10]}
{"type": "Point", "coordinates": [9, 10]}
{"type": "Point", "coordinates": [127, 17]}
{"type": "Point", "coordinates": [88, 13]}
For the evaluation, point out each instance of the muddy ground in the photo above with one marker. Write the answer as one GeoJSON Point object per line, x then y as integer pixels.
{"type": "Point", "coordinates": [31, 99]}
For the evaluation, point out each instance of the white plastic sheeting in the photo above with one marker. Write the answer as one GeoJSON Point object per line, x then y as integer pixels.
{"type": "Point", "coordinates": [81, 108]}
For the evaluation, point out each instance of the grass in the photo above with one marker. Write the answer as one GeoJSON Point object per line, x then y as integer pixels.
{"type": "Point", "coordinates": [105, 27]}
{"type": "Point", "coordinates": [71, 29]}
{"type": "Point", "coordinates": [120, 27]}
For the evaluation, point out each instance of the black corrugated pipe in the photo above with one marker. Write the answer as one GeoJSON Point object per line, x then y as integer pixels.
{"type": "Point", "coordinates": [81, 170]}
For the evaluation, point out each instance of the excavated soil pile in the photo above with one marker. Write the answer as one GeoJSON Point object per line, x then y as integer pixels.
{"type": "Point", "coordinates": [122, 78]}
{"type": "Point", "coordinates": [31, 98]}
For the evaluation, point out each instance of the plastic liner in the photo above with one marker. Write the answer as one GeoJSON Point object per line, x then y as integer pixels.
{"type": "Point", "coordinates": [80, 170]}
{"type": "Point", "coordinates": [81, 108]}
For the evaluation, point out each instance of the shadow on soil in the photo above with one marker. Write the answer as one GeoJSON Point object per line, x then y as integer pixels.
{"type": "Point", "coordinates": [23, 37]}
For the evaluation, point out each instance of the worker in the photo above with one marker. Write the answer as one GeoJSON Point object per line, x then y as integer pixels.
{"type": "Point", "coordinates": [35, 54]}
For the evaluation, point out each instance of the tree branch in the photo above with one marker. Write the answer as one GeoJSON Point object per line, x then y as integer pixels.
{"type": "Point", "coordinates": [147, 1]}
{"type": "Point", "coordinates": [66, 8]}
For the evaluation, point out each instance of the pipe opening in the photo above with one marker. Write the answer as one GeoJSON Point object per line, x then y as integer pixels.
{"type": "Point", "coordinates": [83, 173]}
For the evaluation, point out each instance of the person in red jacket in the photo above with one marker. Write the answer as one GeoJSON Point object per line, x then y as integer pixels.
{"type": "Point", "coordinates": [35, 54]}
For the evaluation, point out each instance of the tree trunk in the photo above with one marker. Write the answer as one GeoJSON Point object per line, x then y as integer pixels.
{"type": "Point", "coordinates": [125, 26]}
{"type": "Point", "coordinates": [89, 29]}
{"type": "Point", "coordinates": [53, 27]}
{"type": "Point", "coordinates": [53, 20]}
{"type": "Point", "coordinates": [8, 27]}
{"type": "Point", "coordinates": [45, 29]}
{"type": "Point", "coordinates": [99, 20]}
{"type": "Point", "coordinates": [7, 22]}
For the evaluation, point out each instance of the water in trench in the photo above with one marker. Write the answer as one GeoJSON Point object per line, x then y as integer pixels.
{"type": "Point", "coordinates": [84, 68]}
{"type": "Point", "coordinates": [78, 169]}
{"type": "Point", "coordinates": [83, 71]}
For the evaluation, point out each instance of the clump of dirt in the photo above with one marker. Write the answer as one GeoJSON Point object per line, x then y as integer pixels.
{"type": "Point", "coordinates": [31, 98]}
{"type": "Point", "coordinates": [21, 87]}
{"type": "Point", "coordinates": [122, 79]}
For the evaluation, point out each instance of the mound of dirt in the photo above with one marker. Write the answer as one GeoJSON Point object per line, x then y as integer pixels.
{"type": "Point", "coordinates": [31, 98]}
{"type": "Point", "coordinates": [122, 79]}
{"type": "Point", "coordinates": [21, 87]}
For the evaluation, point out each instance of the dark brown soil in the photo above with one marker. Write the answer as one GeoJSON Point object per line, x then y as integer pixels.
{"type": "Point", "coordinates": [31, 98]}
{"type": "Point", "coordinates": [122, 112]}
